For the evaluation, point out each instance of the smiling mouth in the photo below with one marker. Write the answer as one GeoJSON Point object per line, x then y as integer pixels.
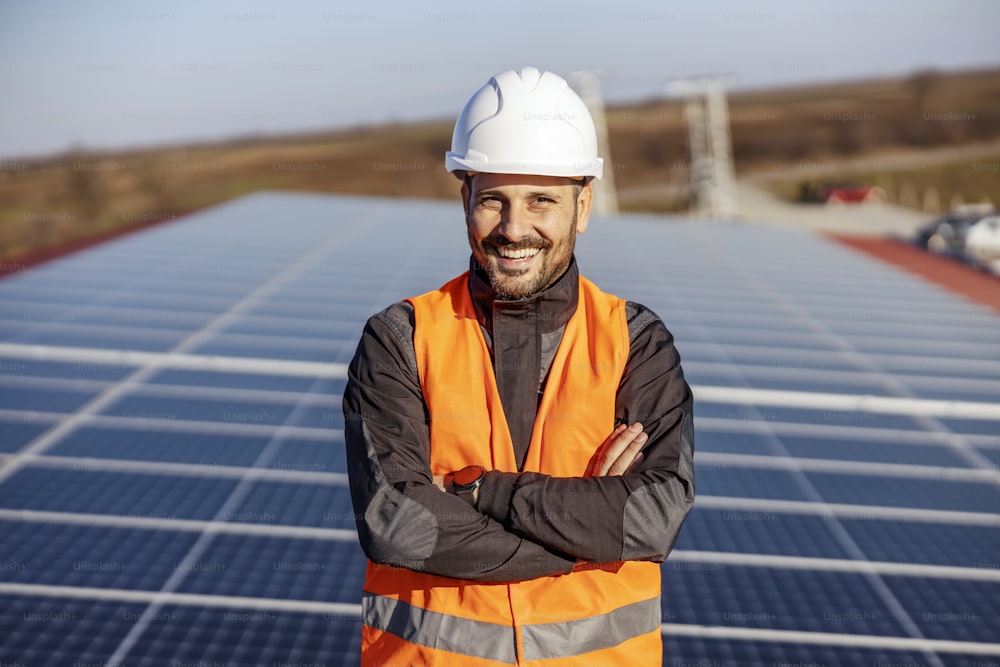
{"type": "Point", "coordinates": [519, 253]}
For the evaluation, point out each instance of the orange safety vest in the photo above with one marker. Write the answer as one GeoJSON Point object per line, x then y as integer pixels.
{"type": "Point", "coordinates": [595, 615]}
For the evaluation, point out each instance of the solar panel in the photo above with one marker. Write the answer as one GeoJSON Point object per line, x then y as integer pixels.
{"type": "Point", "coordinates": [173, 486]}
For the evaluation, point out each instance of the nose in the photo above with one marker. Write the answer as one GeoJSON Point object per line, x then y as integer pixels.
{"type": "Point", "coordinates": [514, 224]}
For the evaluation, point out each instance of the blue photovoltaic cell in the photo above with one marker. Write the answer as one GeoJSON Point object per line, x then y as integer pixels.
{"type": "Point", "coordinates": [951, 608]}
{"type": "Point", "coordinates": [142, 318]}
{"type": "Point", "coordinates": [30, 308]}
{"type": "Point", "coordinates": [778, 357]}
{"type": "Point", "coordinates": [161, 445]}
{"type": "Point", "coordinates": [976, 394]}
{"type": "Point", "coordinates": [273, 567]}
{"type": "Point", "coordinates": [765, 338]}
{"type": "Point", "coordinates": [201, 409]}
{"type": "Point", "coordinates": [924, 542]}
{"type": "Point", "coordinates": [905, 367]}
{"type": "Point", "coordinates": [14, 435]}
{"type": "Point", "coordinates": [749, 531]}
{"type": "Point", "coordinates": [322, 505]}
{"type": "Point", "coordinates": [928, 328]}
{"type": "Point", "coordinates": [10, 329]}
{"type": "Point", "coordinates": [75, 370]}
{"type": "Point", "coordinates": [92, 556]}
{"type": "Point", "coordinates": [732, 443]}
{"type": "Point", "coordinates": [55, 632]}
{"type": "Point", "coordinates": [326, 455]}
{"type": "Point", "coordinates": [96, 337]}
{"type": "Point", "coordinates": [969, 349]}
{"type": "Point", "coordinates": [171, 302]}
{"type": "Point", "coordinates": [858, 386]}
{"type": "Point", "coordinates": [989, 452]}
{"type": "Point", "coordinates": [769, 308]}
{"type": "Point", "coordinates": [705, 652]}
{"type": "Point", "coordinates": [38, 303]}
{"type": "Point", "coordinates": [138, 323]}
{"type": "Point", "coordinates": [97, 491]}
{"type": "Point", "coordinates": [761, 597]}
{"type": "Point", "coordinates": [202, 636]}
{"type": "Point", "coordinates": [973, 426]}
{"type": "Point", "coordinates": [872, 452]}
{"type": "Point", "coordinates": [322, 329]}
{"type": "Point", "coordinates": [750, 483]}
{"type": "Point", "coordinates": [820, 447]}
{"type": "Point", "coordinates": [769, 413]}
{"type": "Point", "coordinates": [321, 416]}
{"type": "Point", "coordinates": [902, 492]}
{"type": "Point", "coordinates": [262, 347]}
{"type": "Point", "coordinates": [247, 381]}
{"type": "Point", "coordinates": [232, 286]}
{"type": "Point", "coordinates": [43, 400]}
{"type": "Point", "coordinates": [351, 317]}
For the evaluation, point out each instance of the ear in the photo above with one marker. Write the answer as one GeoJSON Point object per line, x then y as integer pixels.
{"type": "Point", "coordinates": [584, 202]}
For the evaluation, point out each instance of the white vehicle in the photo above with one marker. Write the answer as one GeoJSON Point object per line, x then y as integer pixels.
{"type": "Point", "coordinates": [982, 242]}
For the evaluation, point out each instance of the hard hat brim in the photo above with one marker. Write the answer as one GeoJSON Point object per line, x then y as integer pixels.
{"type": "Point", "coordinates": [590, 169]}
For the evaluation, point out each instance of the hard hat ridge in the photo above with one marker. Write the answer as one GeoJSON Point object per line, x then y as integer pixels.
{"type": "Point", "coordinates": [530, 77]}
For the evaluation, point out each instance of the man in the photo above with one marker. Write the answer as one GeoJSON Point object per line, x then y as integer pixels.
{"type": "Point", "coordinates": [519, 443]}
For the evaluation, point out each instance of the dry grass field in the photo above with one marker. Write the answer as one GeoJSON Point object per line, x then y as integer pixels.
{"type": "Point", "coordinates": [48, 203]}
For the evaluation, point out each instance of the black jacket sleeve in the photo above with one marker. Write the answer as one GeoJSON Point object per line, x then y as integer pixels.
{"type": "Point", "coordinates": [403, 520]}
{"type": "Point", "coordinates": [631, 517]}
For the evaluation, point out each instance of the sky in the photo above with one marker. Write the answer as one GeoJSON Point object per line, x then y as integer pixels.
{"type": "Point", "coordinates": [134, 73]}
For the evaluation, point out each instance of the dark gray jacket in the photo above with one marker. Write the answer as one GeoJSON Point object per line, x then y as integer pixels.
{"type": "Point", "coordinates": [527, 524]}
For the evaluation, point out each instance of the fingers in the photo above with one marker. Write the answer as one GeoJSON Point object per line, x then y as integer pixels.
{"type": "Point", "coordinates": [626, 459]}
{"type": "Point", "coordinates": [601, 453]}
{"type": "Point", "coordinates": [620, 450]}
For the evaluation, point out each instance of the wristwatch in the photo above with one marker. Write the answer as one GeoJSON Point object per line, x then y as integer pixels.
{"type": "Point", "coordinates": [466, 483]}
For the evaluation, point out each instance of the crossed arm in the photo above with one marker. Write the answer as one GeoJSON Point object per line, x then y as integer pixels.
{"type": "Point", "coordinates": [620, 452]}
{"type": "Point", "coordinates": [629, 508]}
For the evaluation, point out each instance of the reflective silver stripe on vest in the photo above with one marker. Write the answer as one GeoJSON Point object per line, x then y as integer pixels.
{"type": "Point", "coordinates": [496, 642]}
{"type": "Point", "coordinates": [567, 638]}
{"type": "Point", "coordinates": [439, 631]}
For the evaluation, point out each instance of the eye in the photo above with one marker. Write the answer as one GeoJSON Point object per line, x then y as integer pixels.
{"type": "Point", "coordinates": [490, 201]}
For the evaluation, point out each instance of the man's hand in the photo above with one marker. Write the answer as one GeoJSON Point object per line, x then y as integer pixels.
{"type": "Point", "coordinates": [619, 453]}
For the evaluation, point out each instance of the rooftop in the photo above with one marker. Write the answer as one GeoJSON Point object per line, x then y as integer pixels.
{"type": "Point", "coordinates": [173, 486]}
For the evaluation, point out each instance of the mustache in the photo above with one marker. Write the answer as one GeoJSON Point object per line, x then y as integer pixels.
{"type": "Point", "coordinates": [498, 241]}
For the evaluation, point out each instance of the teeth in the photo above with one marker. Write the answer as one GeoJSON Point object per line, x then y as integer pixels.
{"type": "Point", "coordinates": [517, 254]}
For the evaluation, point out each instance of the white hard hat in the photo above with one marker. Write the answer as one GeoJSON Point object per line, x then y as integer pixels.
{"type": "Point", "coordinates": [525, 122]}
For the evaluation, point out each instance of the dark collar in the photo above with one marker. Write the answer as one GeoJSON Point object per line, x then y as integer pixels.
{"type": "Point", "coordinates": [552, 307]}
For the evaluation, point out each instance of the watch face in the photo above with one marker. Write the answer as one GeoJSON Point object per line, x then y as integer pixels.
{"type": "Point", "coordinates": [467, 475]}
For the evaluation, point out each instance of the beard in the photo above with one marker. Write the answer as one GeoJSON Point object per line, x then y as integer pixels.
{"type": "Point", "coordinates": [517, 284]}
{"type": "Point", "coordinates": [507, 283]}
